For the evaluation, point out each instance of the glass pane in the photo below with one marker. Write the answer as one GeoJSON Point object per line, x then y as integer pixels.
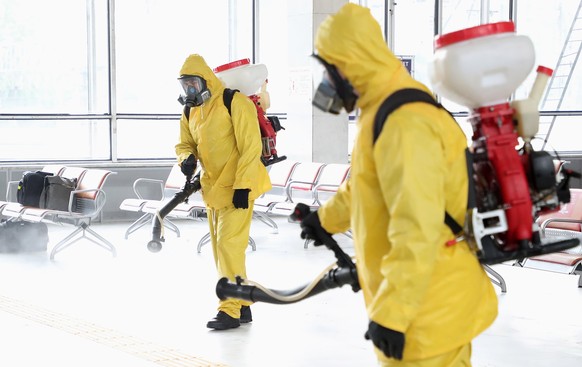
{"type": "Point", "coordinates": [49, 64]}
{"type": "Point", "coordinates": [154, 38]}
{"type": "Point", "coordinates": [464, 14]}
{"type": "Point", "coordinates": [273, 52]}
{"type": "Point", "coordinates": [414, 39]}
{"type": "Point", "coordinates": [45, 140]}
{"type": "Point", "coordinates": [565, 134]}
{"type": "Point", "coordinates": [550, 40]}
{"type": "Point", "coordinates": [376, 8]}
{"type": "Point", "coordinates": [147, 139]}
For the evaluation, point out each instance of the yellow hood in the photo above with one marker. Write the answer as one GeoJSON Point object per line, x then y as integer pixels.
{"type": "Point", "coordinates": [196, 65]}
{"type": "Point", "coordinates": [228, 145]}
{"type": "Point", "coordinates": [352, 41]}
{"type": "Point", "coordinates": [395, 201]}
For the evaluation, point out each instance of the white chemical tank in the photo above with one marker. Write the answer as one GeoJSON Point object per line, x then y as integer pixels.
{"type": "Point", "coordinates": [482, 65]}
{"type": "Point", "coordinates": [242, 75]}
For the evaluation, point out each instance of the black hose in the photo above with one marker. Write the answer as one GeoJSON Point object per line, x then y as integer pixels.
{"type": "Point", "coordinates": [335, 278]}
{"type": "Point", "coordinates": [190, 187]}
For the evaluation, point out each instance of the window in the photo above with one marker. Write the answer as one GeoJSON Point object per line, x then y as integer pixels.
{"type": "Point", "coordinates": [74, 88]}
{"type": "Point", "coordinates": [53, 64]}
{"type": "Point", "coordinates": [152, 42]}
{"type": "Point", "coordinates": [55, 89]}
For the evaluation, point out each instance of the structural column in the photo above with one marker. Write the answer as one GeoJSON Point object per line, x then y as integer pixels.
{"type": "Point", "coordinates": [321, 137]}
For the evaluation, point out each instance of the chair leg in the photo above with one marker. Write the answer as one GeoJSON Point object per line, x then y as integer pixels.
{"type": "Point", "coordinates": [206, 238]}
{"type": "Point", "coordinates": [140, 222]}
{"type": "Point", "coordinates": [103, 242]}
{"type": "Point", "coordinates": [146, 219]}
{"type": "Point", "coordinates": [519, 262]}
{"type": "Point", "coordinates": [203, 241]}
{"type": "Point", "coordinates": [252, 243]}
{"type": "Point", "coordinates": [65, 242]}
{"type": "Point", "coordinates": [268, 221]}
{"type": "Point", "coordinates": [84, 230]}
{"type": "Point", "coordinates": [171, 226]}
{"type": "Point", "coordinates": [497, 279]}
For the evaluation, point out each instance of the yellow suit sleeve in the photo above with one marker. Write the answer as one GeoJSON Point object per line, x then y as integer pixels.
{"type": "Point", "coordinates": [186, 144]}
{"type": "Point", "coordinates": [334, 214]}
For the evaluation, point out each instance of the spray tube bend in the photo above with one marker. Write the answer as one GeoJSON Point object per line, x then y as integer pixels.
{"type": "Point", "coordinates": [332, 277]}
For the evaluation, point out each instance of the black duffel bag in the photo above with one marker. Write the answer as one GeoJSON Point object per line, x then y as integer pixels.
{"type": "Point", "coordinates": [23, 237]}
{"type": "Point", "coordinates": [30, 187]}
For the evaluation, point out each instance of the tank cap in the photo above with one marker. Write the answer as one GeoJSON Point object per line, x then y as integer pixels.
{"type": "Point", "coordinates": [231, 65]}
{"type": "Point", "coordinates": [545, 70]}
{"type": "Point", "coordinates": [473, 32]}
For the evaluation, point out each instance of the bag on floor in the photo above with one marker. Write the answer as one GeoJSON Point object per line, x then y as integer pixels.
{"type": "Point", "coordinates": [30, 188]}
{"type": "Point", "coordinates": [57, 192]}
{"type": "Point", "coordinates": [18, 237]}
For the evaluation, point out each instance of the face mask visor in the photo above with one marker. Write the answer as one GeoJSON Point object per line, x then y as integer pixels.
{"type": "Point", "coordinates": [326, 98]}
{"type": "Point", "coordinates": [334, 92]}
{"type": "Point", "coordinates": [195, 90]}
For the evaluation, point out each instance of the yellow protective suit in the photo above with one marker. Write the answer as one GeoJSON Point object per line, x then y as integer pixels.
{"type": "Point", "coordinates": [396, 198]}
{"type": "Point", "coordinates": [229, 149]}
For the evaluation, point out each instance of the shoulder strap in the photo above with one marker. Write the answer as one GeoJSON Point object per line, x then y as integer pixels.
{"type": "Point", "coordinates": [227, 97]}
{"type": "Point", "coordinates": [390, 104]}
{"type": "Point", "coordinates": [397, 99]}
{"type": "Point", "coordinates": [187, 112]}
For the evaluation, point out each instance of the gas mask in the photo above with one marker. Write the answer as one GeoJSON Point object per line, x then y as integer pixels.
{"type": "Point", "coordinates": [334, 92]}
{"type": "Point", "coordinates": [196, 92]}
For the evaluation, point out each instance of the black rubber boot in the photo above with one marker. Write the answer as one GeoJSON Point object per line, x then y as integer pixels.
{"type": "Point", "coordinates": [223, 321]}
{"type": "Point", "coordinates": [245, 314]}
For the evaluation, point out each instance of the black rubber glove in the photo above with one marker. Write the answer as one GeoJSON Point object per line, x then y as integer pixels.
{"type": "Point", "coordinates": [389, 341]}
{"type": "Point", "coordinates": [311, 229]}
{"type": "Point", "coordinates": [240, 199]}
{"type": "Point", "coordinates": [188, 166]}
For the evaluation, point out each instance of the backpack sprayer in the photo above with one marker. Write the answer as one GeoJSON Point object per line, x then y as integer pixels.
{"type": "Point", "coordinates": [248, 78]}
{"type": "Point", "coordinates": [480, 67]}
{"type": "Point", "coordinates": [241, 76]}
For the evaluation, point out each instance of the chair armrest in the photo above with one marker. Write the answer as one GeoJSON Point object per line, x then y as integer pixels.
{"type": "Point", "coordinates": [289, 188]}
{"type": "Point", "coordinates": [9, 188]}
{"type": "Point", "coordinates": [141, 183]}
{"type": "Point", "coordinates": [323, 187]}
{"type": "Point", "coordinates": [326, 187]}
{"type": "Point", "coordinates": [558, 220]}
{"type": "Point", "coordinates": [99, 200]}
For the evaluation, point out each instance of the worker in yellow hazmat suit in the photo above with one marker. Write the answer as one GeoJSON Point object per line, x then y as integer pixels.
{"type": "Point", "coordinates": [426, 301]}
{"type": "Point", "coordinates": [228, 147]}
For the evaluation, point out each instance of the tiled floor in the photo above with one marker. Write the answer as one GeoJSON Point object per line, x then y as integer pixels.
{"type": "Point", "coordinates": [145, 309]}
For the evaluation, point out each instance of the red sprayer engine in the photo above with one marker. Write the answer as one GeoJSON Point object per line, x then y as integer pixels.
{"type": "Point", "coordinates": [480, 68]}
{"type": "Point", "coordinates": [251, 80]}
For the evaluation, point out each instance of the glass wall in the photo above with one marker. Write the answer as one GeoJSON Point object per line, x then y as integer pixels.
{"type": "Point", "coordinates": [95, 80]}
{"type": "Point", "coordinates": [151, 43]}
{"type": "Point", "coordinates": [272, 50]}
{"type": "Point", "coordinates": [53, 62]}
